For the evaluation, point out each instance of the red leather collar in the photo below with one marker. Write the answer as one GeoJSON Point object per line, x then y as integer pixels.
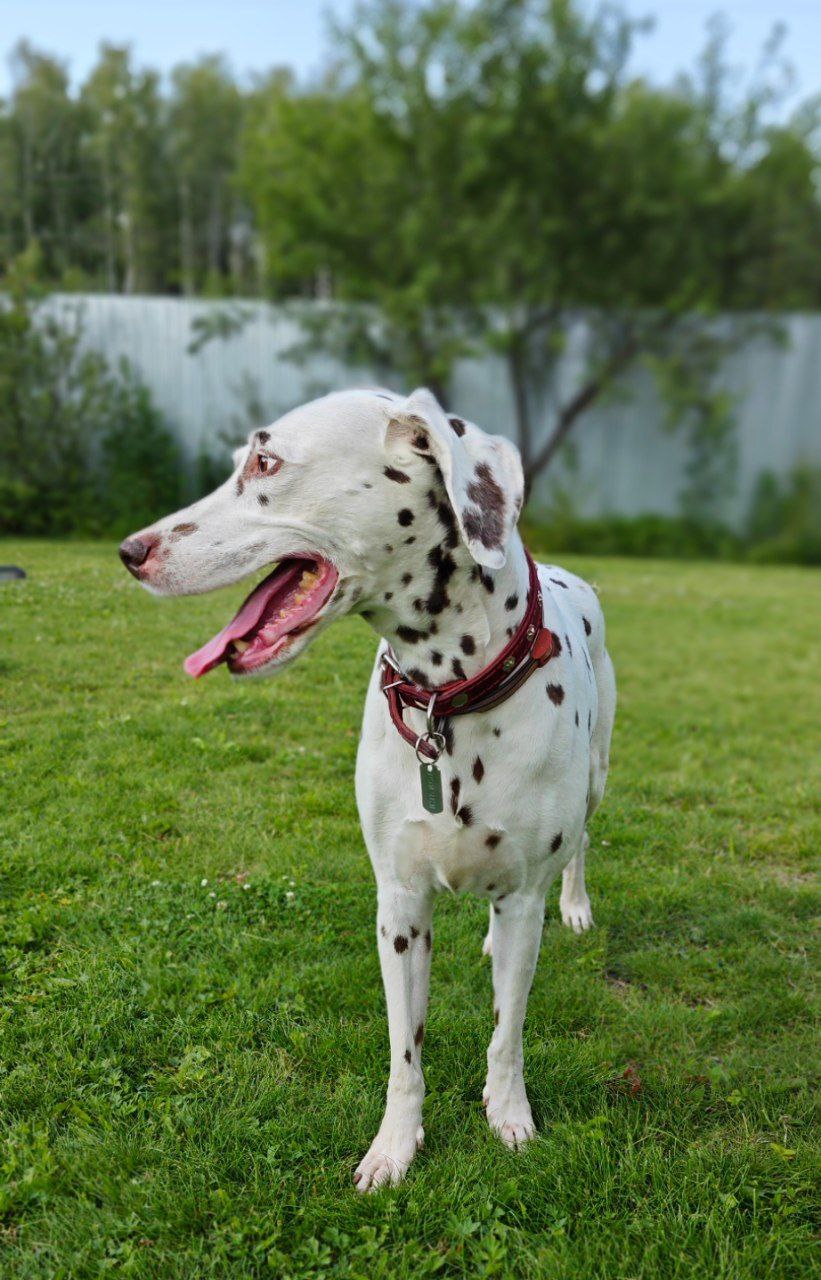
{"type": "Point", "coordinates": [530, 647]}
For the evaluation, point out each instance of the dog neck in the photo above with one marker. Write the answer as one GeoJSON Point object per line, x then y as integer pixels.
{"type": "Point", "coordinates": [444, 616]}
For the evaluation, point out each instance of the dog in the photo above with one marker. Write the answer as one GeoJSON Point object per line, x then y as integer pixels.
{"type": "Point", "coordinates": [373, 503]}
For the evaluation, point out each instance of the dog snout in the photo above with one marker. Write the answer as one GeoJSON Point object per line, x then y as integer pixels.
{"type": "Point", "coordinates": [134, 552]}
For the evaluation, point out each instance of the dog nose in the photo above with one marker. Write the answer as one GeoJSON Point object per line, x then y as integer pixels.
{"type": "Point", "coordinates": [133, 553]}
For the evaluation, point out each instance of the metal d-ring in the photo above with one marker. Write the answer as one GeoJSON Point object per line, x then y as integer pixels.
{"type": "Point", "coordinates": [436, 740]}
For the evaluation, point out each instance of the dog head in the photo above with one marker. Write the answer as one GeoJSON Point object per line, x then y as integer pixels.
{"type": "Point", "coordinates": [308, 495]}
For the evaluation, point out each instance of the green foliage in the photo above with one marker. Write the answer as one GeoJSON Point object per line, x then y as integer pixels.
{"type": "Point", "coordinates": [187, 1081]}
{"type": "Point", "coordinates": [81, 446]}
{"type": "Point", "coordinates": [783, 526]}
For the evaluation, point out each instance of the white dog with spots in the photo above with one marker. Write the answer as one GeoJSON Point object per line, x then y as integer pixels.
{"type": "Point", "coordinates": [372, 503]}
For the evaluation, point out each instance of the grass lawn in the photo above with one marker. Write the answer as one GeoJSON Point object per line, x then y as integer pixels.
{"type": "Point", "coordinates": [193, 1048]}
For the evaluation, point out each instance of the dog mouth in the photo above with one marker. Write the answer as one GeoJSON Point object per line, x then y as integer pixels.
{"type": "Point", "coordinates": [283, 606]}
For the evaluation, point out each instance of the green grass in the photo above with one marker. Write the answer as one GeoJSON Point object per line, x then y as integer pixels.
{"type": "Point", "coordinates": [193, 1049]}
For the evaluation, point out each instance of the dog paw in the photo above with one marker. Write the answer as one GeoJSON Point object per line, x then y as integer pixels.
{"type": "Point", "coordinates": [388, 1159]}
{"type": "Point", "coordinates": [577, 915]}
{"type": "Point", "coordinates": [510, 1118]}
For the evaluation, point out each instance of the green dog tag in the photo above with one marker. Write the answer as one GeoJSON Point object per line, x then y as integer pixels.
{"type": "Point", "coordinates": [431, 780]}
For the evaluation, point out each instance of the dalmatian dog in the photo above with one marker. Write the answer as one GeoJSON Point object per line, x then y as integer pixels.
{"type": "Point", "coordinates": [372, 503]}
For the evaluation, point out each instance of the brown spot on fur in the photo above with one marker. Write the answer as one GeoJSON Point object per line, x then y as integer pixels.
{"type": "Point", "coordinates": [486, 523]}
{"type": "Point", "coordinates": [392, 473]}
{"type": "Point", "coordinates": [458, 426]}
{"type": "Point", "coordinates": [495, 1017]}
{"type": "Point", "coordinates": [420, 1034]}
{"type": "Point", "coordinates": [407, 1055]}
{"type": "Point", "coordinates": [183, 530]}
{"type": "Point", "coordinates": [555, 693]}
{"type": "Point", "coordinates": [455, 788]}
{"type": "Point", "coordinates": [478, 769]}
{"type": "Point", "coordinates": [492, 841]}
{"type": "Point", "coordinates": [400, 943]}
{"type": "Point", "coordinates": [557, 645]}
{"type": "Point", "coordinates": [262, 499]}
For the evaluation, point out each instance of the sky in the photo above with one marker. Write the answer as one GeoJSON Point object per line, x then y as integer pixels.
{"type": "Point", "coordinates": [255, 34]}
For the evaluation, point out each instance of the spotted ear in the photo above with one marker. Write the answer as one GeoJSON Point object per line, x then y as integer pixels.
{"type": "Point", "coordinates": [482, 473]}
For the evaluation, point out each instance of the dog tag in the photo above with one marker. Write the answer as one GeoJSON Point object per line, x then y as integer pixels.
{"type": "Point", "coordinates": [431, 780]}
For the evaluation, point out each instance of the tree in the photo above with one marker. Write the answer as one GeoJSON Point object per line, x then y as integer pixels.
{"type": "Point", "coordinates": [204, 122]}
{"type": "Point", "coordinates": [488, 177]}
{"type": "Point", "coordinates": [127, 143]}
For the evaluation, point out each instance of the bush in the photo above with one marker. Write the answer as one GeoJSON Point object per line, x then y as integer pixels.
{"type": "Point", "coordinates": [82, 447]}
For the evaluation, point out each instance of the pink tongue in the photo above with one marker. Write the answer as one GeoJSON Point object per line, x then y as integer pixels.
{"type": "Point", "coordinates": [246, 619]}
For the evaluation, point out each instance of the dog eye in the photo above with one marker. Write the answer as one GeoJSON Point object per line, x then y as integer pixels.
{"type": "Point", "coordinates": [266, 465]}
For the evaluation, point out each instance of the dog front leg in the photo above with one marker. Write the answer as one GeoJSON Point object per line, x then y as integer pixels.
{"type": "Point", "coordinates": [517, 931]}
{"type": "Point", "coordinates": [404, 942]}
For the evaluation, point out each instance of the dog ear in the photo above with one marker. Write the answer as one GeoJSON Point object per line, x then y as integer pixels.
{"type": "Point", "coordinates": [482, 473]}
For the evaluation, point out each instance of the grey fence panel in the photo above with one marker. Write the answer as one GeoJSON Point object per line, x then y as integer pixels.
{"type": "Point", "coordinates": [621, 460]}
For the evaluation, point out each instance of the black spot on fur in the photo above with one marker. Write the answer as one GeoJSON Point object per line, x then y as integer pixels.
{"type": "Point", "coordinates": [569, 645]}
{"type": "Point", "coordinates": [458, 669]}
{"type": "Point", "coordinates": [400, 943]}
{"type": "Point", "coordinates": [436, 657]}
{"type": "Point", "coordinates": [262, 499]}
{"type": "Point", "coordinates": [478, 769]}
{"type": "Point", "coordinates": [444, 567]}
{"type": "Point", "coordinates": [392, 473]}
{"type": "Point", "coordinates": [407, 1055]}
{"type": "Point", "coordinates": [466, 815]}
{"type": "Point", "coordinates": [409, 540]}
{"type": "Point", "coordinates": [410, 635]}
{"type": "Point", "coordinates": [263, 436]}
{"type": "Point", "coordinates": [588, 722]}
{"type": "Point", "coordinates": [467, 644]}
{"type": "Point", "coordinates": [496, 1013]}
{"type": "Point", "coordinates": [420, 1034]}
{"type": "Point", "coordinates": [555, 693]}
{"type": "Point", "coordinates": [512, 601]}
{"type": "Point", "coordinates": [458, 426]}
{"type": "Point", "coordinates": [497, 733]}
{"type": "Point", "coordinates": [383, 931]}
{"type": "Point", "coordinates": [428, 939]}
{"type": "Point", "coordinates": [559, 583]}
{"type": "Point", "coordinates": [455, 788]}
{"type": "Point", "coordinates": [417, 675]}
{"type": "Point", "coordinates": [447, 734]}
{"type": "Point", "coordinates": [496, 910]}
{"type": "Point", "coordinates": [388, 548]}
{"type": "Point", "coordinates": [576, 718]}
{"type": "Point", "coordinates": [420, 441]}
{"type": "Point", "coordinates": [406, 579]}
{"type": "Point", "coordinates": [479, 575]}
{"type": "Point", "coordinates": [388, 596]}
{"type": "Point", "coordinates": [556, 842]}
{"type": "Point", "coordinates": [587, 626]}
{"type": "Point", "coordinates": [492, 841]}
{"type": "Point", "coordinates": [414, 931]}
{"type": "Point", "coordinates": [490, 887]}
{"type": "Point", "coordinates": [557, 645]}
{"type": "Point", "coordinates": [405, 517]}
{"type": "Point", "coordinates": [367, 485]}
